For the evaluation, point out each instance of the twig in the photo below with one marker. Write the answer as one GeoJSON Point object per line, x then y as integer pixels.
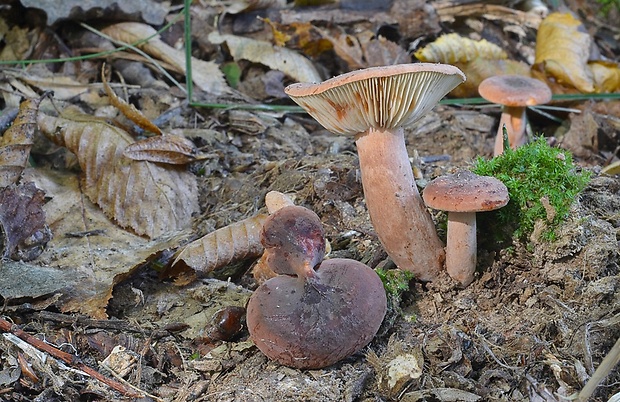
{"type": "Point", "coordinates": [115, 325]}
{"type": "Point", "coordinates": [68, 358]}
{"type": "Point", "coordinates": [608, 363]}
{"type": "Point", "coordinates": [123, 381]}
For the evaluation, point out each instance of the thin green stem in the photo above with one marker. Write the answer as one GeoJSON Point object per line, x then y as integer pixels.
{"type": "Point", "coordinates": [188, 52]}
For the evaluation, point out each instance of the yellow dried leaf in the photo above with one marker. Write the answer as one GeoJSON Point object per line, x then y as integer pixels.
{"type": "Point", "coordinates": [606, 75]}
{"type": "Point", "coordinates": [149, 198]}
{"type": "Point", "coordinates": [563, 48]}
{"type": "Point", "coordinates": [17, 141]}
{"type": "Point", "coordinates": [305, 37]}
{"type": "Point", "coordinates": [231, 243]}
{"type": "Point", "coordinates": [612, 169]}
{"type": "Point", "coordinates": [279, 37]}
{"type": "Point", "coordinates": [453, 48]}
{"type": "Point", "coordinates": [127, 109]}
{"type": "Point", "coordinates": [168, 148]}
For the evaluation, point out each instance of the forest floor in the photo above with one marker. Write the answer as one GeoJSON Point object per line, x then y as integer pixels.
{"type": "Point", "coordinates": [533, 326]}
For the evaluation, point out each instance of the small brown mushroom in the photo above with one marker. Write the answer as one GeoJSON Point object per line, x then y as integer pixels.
{"type": "Point", "coordinates": [315, 313]}
{"type": "Point", "coordinates": [373, 105]}
{"type": "Point", "coordinates": [462, 194]}
{"type": "Point", "coordinates": [514, 93]}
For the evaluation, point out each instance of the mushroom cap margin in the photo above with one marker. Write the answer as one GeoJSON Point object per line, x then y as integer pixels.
{"type": "Point", "coordinates": [384, 97]}
{"type": "Point", "coordinates": [465, 191]}
{"type": "Point", "coordinates": [514, 90]}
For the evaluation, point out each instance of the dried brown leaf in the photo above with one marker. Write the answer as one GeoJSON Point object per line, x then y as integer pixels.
{"type": "Point", "coordinates": [23, 232]}
{"type": "Point", "coordinates": [168, 148]}
{"type": "Point", "coordinates": [278, 58]}
{"type": "Point", "coordinates": [239, 6]}
{"type": "Point", "coordinates": [64, 87]}
{"type": "Point", "coordinates": [88, 254]}
{"type": "Point", "coordinates": [149, 198]}
{"type": "Point", "coordinates": [205, 74]}
{"type": "Point", "coordinates": [347, 47]}
{"type": "Point", "coordinates": [231, 243]}
{"type": "Point", "coordinates": [453, 48]}
{"type": "Point", "coordinates": [17, 141]}
{"type": "Point", "coordinates": [563, 48]}
{"type": "Point", "coordinates": [128, 110]}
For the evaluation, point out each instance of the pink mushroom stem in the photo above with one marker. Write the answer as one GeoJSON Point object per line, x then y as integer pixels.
{"type": "Point", "coordinates": [397, 212]}
{"type": "Point", "coordinates": [515, 119]}
{"type": "Point", "coordinates": [461, 247]}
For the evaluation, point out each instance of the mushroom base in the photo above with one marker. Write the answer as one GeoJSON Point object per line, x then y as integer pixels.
{"type": "Point", "coordinates": [397, 212]}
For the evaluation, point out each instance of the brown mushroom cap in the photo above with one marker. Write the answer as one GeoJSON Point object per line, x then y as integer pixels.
{"type": "Point", "coordinates": [378, 97]}
{"type": "Point", "coordinates": [514, 90]}
{"type": "Point", "coordinates": [314, 322]}
{"type": "Point", "coordinates": [465, 191]}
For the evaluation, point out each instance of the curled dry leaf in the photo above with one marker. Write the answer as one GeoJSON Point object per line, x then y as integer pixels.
{"type": "Point", "coordinates": [205, 74]}
{"type": "Point", "coordinates": [606, 75]}
{"type": "Point", "coordinates": [17, 141]}
{"type": "Point", "coordinates": [278, 58]}
{"type": "Point", "coordinates": [23, 232]}
{"type": "Point", "coordinates": [168, 148]}
{"type": "Point", "coordinates": [563, 48]}
{"type": "Point", "coordinates": [239, 6]}
{"type": "Point", "coordinates": [231, 243]}
{"type": "Point", "coordinates": [149, 198]}
{"type": "Point", "coordinates": [128, 110]}
{"type": "Point", "coordinates": [453, 48]}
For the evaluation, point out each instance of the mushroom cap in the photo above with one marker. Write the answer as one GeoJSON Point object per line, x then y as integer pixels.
{"type": "Point", "coordinates": [465, 191]}
{"type": "Point", "coordinates": [294, 240]}
{"type": "Point", "coordinates": [385, 97]}
{"type": "Point", "coordinates": [514, 90]}
{"type": "Point", "coordinates": [311, 323]}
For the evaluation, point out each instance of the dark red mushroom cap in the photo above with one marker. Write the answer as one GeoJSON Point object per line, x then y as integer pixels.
{"type": "Point", "coordinates": [465, 191]}
{"type": "Point", "coordinates": [314, 322]}
{"type": "Point", "coordinates": [514, 90]}
{"type": "Point", "coordinates": [294, 241]}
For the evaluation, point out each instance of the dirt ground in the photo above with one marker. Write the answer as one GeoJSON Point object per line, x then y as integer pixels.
{"type": "Point", "coordinates": [533, 326]}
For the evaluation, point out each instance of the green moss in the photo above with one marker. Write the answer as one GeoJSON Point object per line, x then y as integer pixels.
{"type": "Point", "coordinates": [395, 281]}
{"type": "Point", "coordinates": [534, 173]}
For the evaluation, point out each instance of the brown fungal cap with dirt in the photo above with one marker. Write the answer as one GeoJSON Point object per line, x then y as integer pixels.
{"type": "Point", "coordinates": [294, 241]}
{"type": "Point", "coordinates": [316, 313]}
{"type": "Point", "coordinates": [379, 97]}
{"type": "Point", "coordinates": [514, 90]}
{"type": "Point", "coordinates": [465, 191]}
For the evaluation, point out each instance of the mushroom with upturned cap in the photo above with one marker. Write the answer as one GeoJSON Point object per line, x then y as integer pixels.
{"type": "Point", "coordinates": [462, 194]}
{"type": "Point", "coordinates": [373, 105]}
{"type": "Point", "coordinates": [514, 93]}
{"type": "Point", "coordinates": [315, 312]}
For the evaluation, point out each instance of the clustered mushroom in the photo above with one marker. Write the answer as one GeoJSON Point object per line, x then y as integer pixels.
{"type": "Point", "coordinates": [373, 105]}
{"type": "Point", "coordinates": [315, 312]}
{"type": "Point", "coordinates": [514, 93]}
{"type": "Point", "coordinates": [462, 194]}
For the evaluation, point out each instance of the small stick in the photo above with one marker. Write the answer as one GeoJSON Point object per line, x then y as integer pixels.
{"type": "Point", "coordinates": [68, 358]}
{"type": "Point", "coordinates": [608, 363]}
